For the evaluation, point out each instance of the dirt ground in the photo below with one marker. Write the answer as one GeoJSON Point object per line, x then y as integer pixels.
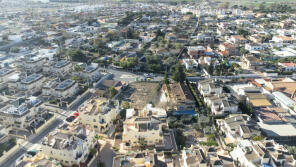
{"type": "Point", "coordinates": [139, 94]}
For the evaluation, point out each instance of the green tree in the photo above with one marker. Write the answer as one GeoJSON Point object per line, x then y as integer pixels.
{"type": "Point", "coordinates": [262, 6]}
{"type": "Point", "coordinates": [111, 35]}
{"type": "Point", "coordinates": [242, 32]}
{"type": "Point", "coordinates": [153, 64]}
{"type": "Point", "coordinates": [166, 78]}
{"type": "Point", "coordinates": [92, 151]}
{"type": "Point", "coordinates": [122, 114]}
{"type": "Point", "coordinates": [125, 105]}
{"type": "Point", "coordinates": [130, 62]}
{"type": "Point", "coordinates": [98, 42]}
{"type": "Point", "coordinates": [101, 164]}
{"type": "Point", "coordinates": [14, 49]}
{"type": "Point", "coordinates": [178, 46]}
{"type": "Point", "coordinates": [112, 92]}
{"type": "Point", "coordinates": [77, 68]}
{"type": "Point", "coordinates": [245, 106]}
{"type": "Point", "coordinates": [180, 138]}
{"type": "Point", "coordinates": [142, 143]}
{"type": "Point", "coordinates": [243, 51]}
{"type": "Point", "coordinates": [76, 55]}
{"type": "Point", "coordinates": [257, 138]}
{"type": "Point", "coordinates": [178, 73]}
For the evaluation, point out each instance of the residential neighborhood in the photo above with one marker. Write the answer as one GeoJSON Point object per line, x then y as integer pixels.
{"type": "Point", "coordinates": [145, 83]}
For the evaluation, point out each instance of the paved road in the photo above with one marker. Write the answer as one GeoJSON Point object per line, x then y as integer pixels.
{"type": "Point", "coordinates": [33, 139]}
{"type": "Point", "coordinates": [106, 155]}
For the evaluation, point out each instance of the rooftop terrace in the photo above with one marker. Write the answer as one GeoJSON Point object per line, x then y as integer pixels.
{"type": "Point", "coordinates": [32, 78]}
{"type": "Point", "coordinates": [90, 68]}
{"type": "Point", "coordinates": [61, 63]}
{"type": "Point", "coordinates": [65, 84]}
{"type": "Point", "coordinates": [5, 71]}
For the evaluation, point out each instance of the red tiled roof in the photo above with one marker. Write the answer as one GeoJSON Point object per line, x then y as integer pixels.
{"type": "Point", "coordinates": [288, 64]}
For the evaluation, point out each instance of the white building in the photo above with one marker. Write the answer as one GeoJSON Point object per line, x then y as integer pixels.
{"type": "Point", "coordinates": [245, 154]}
{"type": "Point", "coordinates": [238, 126]}
{"type": "Point", "coordinates": [283, 32]}
{"type": "Point", "coordinates": [70, 144]}
{"type": "Point", "coordinates": [57, 89]}
{"type": "Point", "coordinates": [5, 73]}
{"type": "Point", "coordinates": [59, 69]}
{"type": "Point", "coordinates": [91, 73]}
{"type": "Point", "coordinates": [99, 114]}
{"type": "Point", "coordinates": [32, 65]}
{"type": "Point", "coordinates": [208, 87]}
{"type": "Point", "coordinates": [253, 47]}
{"type": "Point", "coordinates": [224, 107]}
{"type": "Point", "coordinates": [19, 114]}
{"type": "Point", "coordinates": [147, 128]}
{"type": "Point", "coordinates": [193, 157]}
{"type": "Point", "coordinates": [288, 66]}
{"type": "Point", "coordinates": [282, 39]}
{"type": "Point", "coordinates": [31, 84]}
{"type": "Point", "coordinates": [190, 63]}
{"type": "Point", "coordinates": [262, 153]}
{"type": "Point", "coordinates": [285, 101]}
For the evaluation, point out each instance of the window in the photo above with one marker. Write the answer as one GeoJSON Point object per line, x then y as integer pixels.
{"type": "Point", "coordinates": [95, 126]}
{"type": "Point", "coordinates": [94, 120]}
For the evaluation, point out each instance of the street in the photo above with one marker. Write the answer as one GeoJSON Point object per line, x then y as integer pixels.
{"type": "Point", "coordinates": [106, 155]}
{"type": "Point", "coordinates": [36, 138]}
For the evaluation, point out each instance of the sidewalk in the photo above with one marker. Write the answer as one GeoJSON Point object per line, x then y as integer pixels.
{"type": "Point", "coordinates": [12, 150]}
{"type": "Point", "coordinates": [46, 123]}
{"type": "Point", "coordinates": [25, 144]}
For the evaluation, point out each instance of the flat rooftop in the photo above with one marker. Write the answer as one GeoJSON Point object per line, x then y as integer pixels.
{"type": "Point", "coordinates": [65, 84]}
{"type": "Point", "coordinates": [12, 110]}
{"type": "Point", "coordinates": [32, 78]}
{"type": "Point", "coordinates": [61, 63]}
{"type": "Point", "coordinates": [285, 129]}
{"type": "Point", "coordinates": [51, 84]}
{"type": "Point", "coordinates": [34, 60]}
{"type": "Point", "coordinates": [90, 68]}
{"type": "Point", "coordinates": [96, 106]}
{"type": "Point", "coordinates": [5, 71]}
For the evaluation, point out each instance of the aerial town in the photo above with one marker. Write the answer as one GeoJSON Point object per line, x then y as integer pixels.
{"type": "Point", "coordinates": [146, 83]}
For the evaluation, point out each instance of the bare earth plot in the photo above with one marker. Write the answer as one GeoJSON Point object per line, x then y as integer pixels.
{"type": "Point", "coordinates": [139, 94]}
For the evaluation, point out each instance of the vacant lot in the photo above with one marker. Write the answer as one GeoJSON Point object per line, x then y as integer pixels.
{"type": "Point", "coordinates": [139, 94]}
